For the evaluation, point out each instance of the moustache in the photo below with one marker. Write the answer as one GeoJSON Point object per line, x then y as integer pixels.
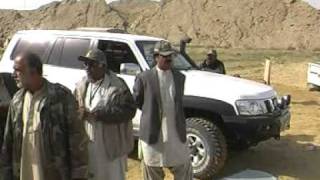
{"type": "Point", "coordinates": [168, 60]}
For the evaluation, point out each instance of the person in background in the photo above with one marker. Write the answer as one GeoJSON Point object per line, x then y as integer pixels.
{"type": "Point", "coordinates": [7, 89]}
{"type": "Point", "coordinates": [106, 108]}
{"type": "Point", "coordinates": [42, 136]}
{"type": "Point", "coordinates": [162, 137]}
{"type": "Point", "coordinates": [211, 63]}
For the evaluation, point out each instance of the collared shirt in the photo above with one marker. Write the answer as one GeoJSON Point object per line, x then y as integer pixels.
{"type": "Point", "coordinates": [169, 150]}
{"type": "Point", "coordinates": [4, 94]}
{"type": "Point", "coordinates": [31, 160]}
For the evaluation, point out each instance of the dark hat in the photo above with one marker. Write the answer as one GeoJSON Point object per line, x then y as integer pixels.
{"type": "Point", "coordinates": [96, 55]}
{"type": "Point", "coordinates": [212, 51]}
{"type": "Point", "coordinates": [163, 48]}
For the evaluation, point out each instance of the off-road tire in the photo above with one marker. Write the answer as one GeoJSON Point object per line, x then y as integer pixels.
{"type": "Point", "coordinates": [313, 87]}
{"type": "Point", "coordinates": [203, 134]}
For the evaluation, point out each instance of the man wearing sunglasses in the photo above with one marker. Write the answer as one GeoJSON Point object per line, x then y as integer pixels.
{"type": "Point", "coordinates": [158, 93]}
{"type": "Point", "coordinates": [106, 107]}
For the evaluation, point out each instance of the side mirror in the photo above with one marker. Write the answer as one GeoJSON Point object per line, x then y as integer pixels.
{"type": "Point", "coordinates": [129, 69]}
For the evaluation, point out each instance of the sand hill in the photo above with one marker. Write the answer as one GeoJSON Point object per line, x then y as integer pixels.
{"type": "Point", "coordinates": [248, 24]}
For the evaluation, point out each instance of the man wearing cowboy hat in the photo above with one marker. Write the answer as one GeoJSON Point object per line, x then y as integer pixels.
{"type": "Point", "coordinates": [106, 107]}
{"type": "Point", "coordinates": [211, 63]}
{"type": "Point", "coordinates": [162, 140]}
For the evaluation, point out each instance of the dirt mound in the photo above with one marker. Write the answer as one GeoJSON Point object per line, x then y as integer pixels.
{"type": "Point", "coordinates": [250, 24]}
{"type": "Point", "coordinates": [68, 14]}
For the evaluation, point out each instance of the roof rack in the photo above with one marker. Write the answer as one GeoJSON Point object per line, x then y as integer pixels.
{"type": "Point", "coordinates": [97, 29]}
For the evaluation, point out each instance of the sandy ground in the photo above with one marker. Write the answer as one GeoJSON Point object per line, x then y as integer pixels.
{"type": "Point", "coordinates": [297, 154]}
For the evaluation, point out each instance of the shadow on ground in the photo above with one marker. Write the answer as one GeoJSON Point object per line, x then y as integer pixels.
{"type": "Point", "coordinates": [292, 156]}
{"type": "Point", "coordinates": [307, 103]}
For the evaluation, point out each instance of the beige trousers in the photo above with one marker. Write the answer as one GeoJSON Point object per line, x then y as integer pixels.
{"type": "Point", "coordinates": [101, 168]}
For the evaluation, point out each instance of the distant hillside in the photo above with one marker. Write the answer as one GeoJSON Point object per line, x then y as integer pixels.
{"type": "Point", "coordinates": [249, 24]}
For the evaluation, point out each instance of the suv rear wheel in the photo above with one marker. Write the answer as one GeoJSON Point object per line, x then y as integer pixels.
{"type": "Point", "coordinates": [208, 147]}
{"type": "Point", "coordinates": [313, 87]}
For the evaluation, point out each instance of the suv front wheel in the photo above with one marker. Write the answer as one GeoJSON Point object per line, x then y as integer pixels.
{"type": "Point", "coordinates": [208, 148]}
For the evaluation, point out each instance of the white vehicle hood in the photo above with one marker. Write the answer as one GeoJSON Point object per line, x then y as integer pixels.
{"type": "Point", "coordinates": [223, 87]}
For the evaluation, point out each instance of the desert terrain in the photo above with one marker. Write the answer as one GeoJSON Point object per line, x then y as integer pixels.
{"type": "Point", "coordinates": [285, 31]}
{"type": "Point", "coordinates": [297, 154]}
{"type": "Point", "coordinates": [244, 24]}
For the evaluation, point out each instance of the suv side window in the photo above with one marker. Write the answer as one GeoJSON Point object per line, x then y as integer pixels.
{"type": "Point", "coordinates": [39, 47]}
{"type": "Point", "coordinates": [55, 55]}
{"type": "Point", "coordinates": [72, 49]}
{"type": "Point", "coordinates": [116, 54]}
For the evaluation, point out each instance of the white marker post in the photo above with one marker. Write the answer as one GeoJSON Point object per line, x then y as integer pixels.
{"type": "Point", "coordinates": [267, 71]}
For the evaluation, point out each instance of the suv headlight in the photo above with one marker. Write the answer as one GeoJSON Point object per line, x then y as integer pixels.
{"type": "Point", "coordinates": [251, 107]}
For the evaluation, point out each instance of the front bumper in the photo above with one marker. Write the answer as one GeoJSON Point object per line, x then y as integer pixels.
{"type": "Point", "coordinates": [254, 129]}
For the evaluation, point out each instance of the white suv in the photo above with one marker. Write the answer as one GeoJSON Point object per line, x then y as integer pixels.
{"type": "Point", "coordinates": [221, 110]}
{"type": "Point", "coordinates": [313, 75]}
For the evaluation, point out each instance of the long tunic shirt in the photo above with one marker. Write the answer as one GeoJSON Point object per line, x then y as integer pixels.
{"type": "Point", "coordinates": [31, 160]}
{"type": "Point", "coordinates": [169, 151]}
{"type": "Point", "coordinates": [100, 165]}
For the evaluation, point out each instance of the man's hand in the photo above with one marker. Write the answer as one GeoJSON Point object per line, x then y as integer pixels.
{"type": "Point", "coordinates": [186, 39]}
{"type": "Point", "coordinates": [95, 114]}
{"type": "Point", "coordinates": [91, 116]}
{"type": "Point", "coordinates": [87, 115]}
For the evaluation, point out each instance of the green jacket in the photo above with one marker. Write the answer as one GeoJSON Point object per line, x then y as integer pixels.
{"type": "Point", "coordinates": [61, 136]}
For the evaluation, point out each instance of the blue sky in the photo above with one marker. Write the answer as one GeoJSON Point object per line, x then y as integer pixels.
{"type": "Point", "coordinates": [22, 4]}
{"type": "Point", "coordinates": [25, 4]}
{"type": "Point", "coordinates": [33, 4]}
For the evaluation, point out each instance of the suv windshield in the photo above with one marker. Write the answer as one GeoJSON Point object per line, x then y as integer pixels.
{"type": "Point", "coordinates": [179, 61]}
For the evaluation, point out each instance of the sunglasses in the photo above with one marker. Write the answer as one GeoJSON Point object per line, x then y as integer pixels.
{"type": "Point", "coordinates": [90, 64]}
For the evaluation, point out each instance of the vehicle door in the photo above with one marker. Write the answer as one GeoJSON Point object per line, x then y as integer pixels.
{"type": "Point", "coordinates": [314, 73]}
{"type": "Point", "coordinates": [119, 54]}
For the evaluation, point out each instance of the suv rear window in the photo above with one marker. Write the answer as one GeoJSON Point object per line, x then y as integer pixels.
{"type": "Point", "coordinates": [72, 49]}
{"type": "Point", "coordinates": [35, 45]}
